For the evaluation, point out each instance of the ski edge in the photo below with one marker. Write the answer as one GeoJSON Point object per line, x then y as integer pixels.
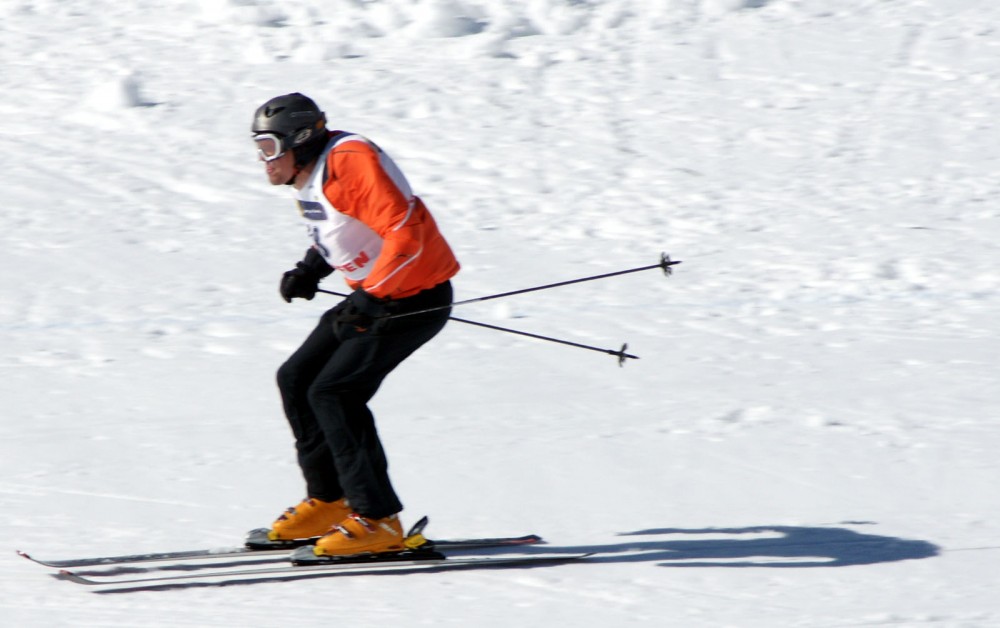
{"type": "Point", "coordinates": [343, 568]}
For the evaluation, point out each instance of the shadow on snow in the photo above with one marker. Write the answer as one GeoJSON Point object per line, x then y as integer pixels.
{"type": "Point", "coordinates": [759, 546]}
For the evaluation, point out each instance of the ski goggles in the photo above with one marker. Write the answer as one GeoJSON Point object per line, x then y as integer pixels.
{"type": "Point", "coordinates": [269, 146]}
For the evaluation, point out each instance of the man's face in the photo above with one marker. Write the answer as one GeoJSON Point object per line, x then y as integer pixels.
{"type": "Point", "coordinates": [280, 170]}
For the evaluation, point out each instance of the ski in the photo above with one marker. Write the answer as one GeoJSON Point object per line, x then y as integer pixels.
{"type": "Point", "coordinates": [343, 566]}
{"type": "Point", "coordinates": [206, 554]}
{"type": "Point", "coordinates": [279, 553]}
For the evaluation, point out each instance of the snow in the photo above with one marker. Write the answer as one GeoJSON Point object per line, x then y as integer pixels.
{"type": "Point", "coordinates": [807, 440]}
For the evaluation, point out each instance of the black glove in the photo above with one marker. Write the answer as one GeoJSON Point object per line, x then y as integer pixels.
{"type": "Point", "coordinates": [303, 280]}
{"type": "Point", "coordinates": [361, 310]}
{"type": "Point", "coordinates": [299, 282]}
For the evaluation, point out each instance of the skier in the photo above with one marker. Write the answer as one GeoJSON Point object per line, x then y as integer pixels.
{"type": "Point", "coordinates": [364, 221]}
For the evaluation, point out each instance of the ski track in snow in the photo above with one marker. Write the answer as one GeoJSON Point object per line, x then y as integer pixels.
{"type": "Point", "coordinates": [807, 440]}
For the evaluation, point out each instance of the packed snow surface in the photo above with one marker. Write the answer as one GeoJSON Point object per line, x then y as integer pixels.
{"type": "Point", "coordinates": [809, 437]}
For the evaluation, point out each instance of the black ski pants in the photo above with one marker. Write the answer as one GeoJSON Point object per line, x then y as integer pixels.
{"type": "Point", "coordinates": [326, 386]}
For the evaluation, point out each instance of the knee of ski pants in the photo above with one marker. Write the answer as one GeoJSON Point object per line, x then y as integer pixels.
{"type": "Point", "coordinates": [289, 378]}
{"type": "Point", "coordinates": [339, 391]}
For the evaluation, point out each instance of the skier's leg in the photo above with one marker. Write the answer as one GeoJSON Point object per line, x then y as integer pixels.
{"type": "Point", "coordinates": [339, 396]}
{"type": "Point", "coordinates": [295, 377]}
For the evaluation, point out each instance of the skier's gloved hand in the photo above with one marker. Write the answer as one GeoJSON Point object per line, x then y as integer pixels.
{"type": "Point", "coordinates": [303, 280]}
{"type": "Point", "coordinates": [360, 310]}
{"type": "Point", "coordinates": [299, 282]}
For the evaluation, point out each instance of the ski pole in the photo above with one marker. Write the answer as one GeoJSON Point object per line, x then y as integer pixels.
{"type": "Point", "coordinates": [620, 354]}
{"type": "Point", "coordinates": [665, 264]}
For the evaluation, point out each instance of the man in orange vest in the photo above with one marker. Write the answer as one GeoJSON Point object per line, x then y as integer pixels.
{"type": "Point", "coordinates": [365, 222]}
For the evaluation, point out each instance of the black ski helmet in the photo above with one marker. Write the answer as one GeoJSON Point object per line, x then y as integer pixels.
{"type": "Point", "coordinates": [299, 123]}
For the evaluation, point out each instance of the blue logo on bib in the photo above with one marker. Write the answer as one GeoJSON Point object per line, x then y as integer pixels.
{"type": "Point", "coordinates": [312, 210]}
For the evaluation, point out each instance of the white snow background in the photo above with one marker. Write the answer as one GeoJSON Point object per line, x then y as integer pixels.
{"type": "Point", "coordinates": [810, 437]}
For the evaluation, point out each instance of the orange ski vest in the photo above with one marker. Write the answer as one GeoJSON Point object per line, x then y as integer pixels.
{"type": "Point", "coordinates": [367, 223]}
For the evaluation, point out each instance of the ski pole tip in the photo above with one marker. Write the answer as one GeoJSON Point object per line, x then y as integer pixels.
{"type": "Point", "coordinates": [666, 263]}
{"type": "Point", "coordinates": [622, 356]}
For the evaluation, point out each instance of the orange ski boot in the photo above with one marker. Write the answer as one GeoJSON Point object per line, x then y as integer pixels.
{"type": "Point", "coordinates": [361, 535]}
{"type": "Point", "coordinates": [311, 517]}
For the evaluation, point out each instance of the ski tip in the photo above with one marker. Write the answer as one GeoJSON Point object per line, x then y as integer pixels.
{"type": "Point", "coordinates": [66, 574]}
{"type": "Point", "coordinates": [44, 563]}
{"type": "Point", "coordinates": [28, 556]}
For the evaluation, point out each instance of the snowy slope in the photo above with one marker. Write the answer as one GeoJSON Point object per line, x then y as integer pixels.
{"type": "Point", "coordinates": [807, 440]}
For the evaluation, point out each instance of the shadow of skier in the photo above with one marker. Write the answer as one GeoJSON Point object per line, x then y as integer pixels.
{"type": "Point", "coordinates": [758, 546]}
